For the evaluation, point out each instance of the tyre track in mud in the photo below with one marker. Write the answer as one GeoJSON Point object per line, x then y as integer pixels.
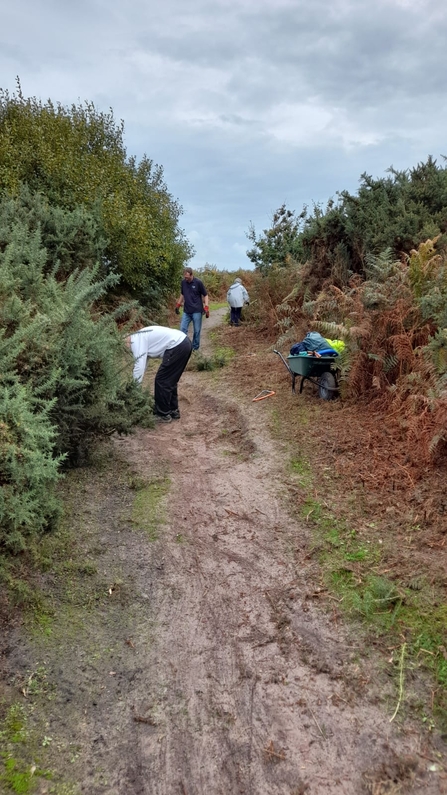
{"type": "Point", "coordinates": [253, 689]}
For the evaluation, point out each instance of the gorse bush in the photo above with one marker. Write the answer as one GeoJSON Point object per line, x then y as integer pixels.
{"type": "Point", "coordinates": [397, 212]}
{"type": "Point", "coordinates": [28, 469]}
{"type": "Point", "coordinates": [81, 225]}
{"type": "Point", "coordinates": [65, 375]}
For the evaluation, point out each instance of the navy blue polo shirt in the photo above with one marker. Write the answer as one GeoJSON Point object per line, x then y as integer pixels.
{"type": "Point", "coordinates": [192, 293]}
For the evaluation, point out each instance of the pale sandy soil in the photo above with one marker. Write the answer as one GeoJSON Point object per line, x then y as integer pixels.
{"type": "Point", "coordinates": [222, 675]}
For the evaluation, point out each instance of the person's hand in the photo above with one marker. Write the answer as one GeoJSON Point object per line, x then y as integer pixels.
{"type": "Point", "coordinates": [207, 311]}
{"type": "Point", "coordinates": [177, 309]}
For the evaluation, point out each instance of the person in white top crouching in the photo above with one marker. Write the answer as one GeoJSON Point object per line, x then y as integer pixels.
{"type": "Point", "coordinates": [174, 349]}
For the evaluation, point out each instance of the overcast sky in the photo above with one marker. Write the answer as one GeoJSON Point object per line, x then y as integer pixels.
{"type": "Point", "coordinates": [245, 103]}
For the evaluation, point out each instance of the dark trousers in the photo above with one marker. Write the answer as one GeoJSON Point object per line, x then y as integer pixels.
{"type": "Point", "coordinates": [235, 315]}
{"type": "Point", "coordinates": [168, 375]}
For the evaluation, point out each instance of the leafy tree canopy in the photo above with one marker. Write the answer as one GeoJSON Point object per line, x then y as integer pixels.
{"type": "Point", "coordinates": [76, 157]}
{"type": "Point", "coordinates": [279, 243]}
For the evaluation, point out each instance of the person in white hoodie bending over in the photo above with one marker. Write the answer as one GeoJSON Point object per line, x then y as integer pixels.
{"type": "Point", "coordinates": [174, 349]}
{"type": "Point", "coordinates": [237, 296]}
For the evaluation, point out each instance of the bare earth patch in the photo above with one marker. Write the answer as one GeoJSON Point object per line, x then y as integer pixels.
{"type": "Point", "coordinates": [197, 660]}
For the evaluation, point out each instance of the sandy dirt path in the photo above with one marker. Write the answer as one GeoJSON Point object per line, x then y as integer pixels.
{"type": "Point", "coordinates": [250, 688]}
{"type": "Point", "coordinates": [209, 669]}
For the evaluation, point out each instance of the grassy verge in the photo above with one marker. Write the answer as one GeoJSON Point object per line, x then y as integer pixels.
{"type": "Point", "coordinates": [76, 601]}
{"type": "Point", "coordinates": [394, 614]}
{"type": "Point", "coordinates": [148, 512]}
{"type": "Point", "coordinates": [25, 753]}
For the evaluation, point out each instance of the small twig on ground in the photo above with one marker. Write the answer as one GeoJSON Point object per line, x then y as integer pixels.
{"type": "Point", "coordinates": [322, 732]}
{"type": "Point", "coordinates": [435, 544]}
{"type": "Point", "coordinates": [142, 719]}
{"type": "Point", "coordinates": [407, 473]}
{"type": "Point", "coordinates": [337, 695]}
{"type": "Point", "coordinates": [401, 681]}
{"type": "Point", "coordinates": [270, 752]}
{"type": "Point", "coordinates": [269, 640]}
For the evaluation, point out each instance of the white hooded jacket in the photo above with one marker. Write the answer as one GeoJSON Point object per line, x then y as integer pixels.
{"type": "Point", "coordinates": [237, 294]}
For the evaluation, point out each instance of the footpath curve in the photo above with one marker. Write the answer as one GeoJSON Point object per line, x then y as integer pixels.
{"type": "Point", "coordinates": [252, 688]}
{"type": "Point", "coordinates": [190, 655]}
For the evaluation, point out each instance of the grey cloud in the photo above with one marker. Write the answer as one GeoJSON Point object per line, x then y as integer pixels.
{"type": "Point", "coordinates": [246, 103]}
{"type": "Point", "coordinates": [302, 48]}
{"type": "Point", "coordinates": [250, 182]}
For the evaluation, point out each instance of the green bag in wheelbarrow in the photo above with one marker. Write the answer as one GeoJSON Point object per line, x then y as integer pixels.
{"type": "Point", "coordinates": [319, 370]}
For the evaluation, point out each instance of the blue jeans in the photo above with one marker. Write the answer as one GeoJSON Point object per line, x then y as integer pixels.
{"type": "Point", "coordinates": [196, 319]}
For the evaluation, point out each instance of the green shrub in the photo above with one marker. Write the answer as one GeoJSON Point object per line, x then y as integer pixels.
{"type": "Point", "coordinates": [65, 374]}
{"type": "Point", "coordinates": [220, 358]}
{"type": "Point", "coordinates": [28, 470]}
{"type": "Point", "coordinates": [55, 340]}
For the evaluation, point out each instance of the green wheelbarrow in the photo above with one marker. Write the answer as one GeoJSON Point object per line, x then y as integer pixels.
{"type": "Point", "coordinates": [319, 370]}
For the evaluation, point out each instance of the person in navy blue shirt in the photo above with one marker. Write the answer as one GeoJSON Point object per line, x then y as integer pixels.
{"type": "Point", "coordinates": [194, 299]}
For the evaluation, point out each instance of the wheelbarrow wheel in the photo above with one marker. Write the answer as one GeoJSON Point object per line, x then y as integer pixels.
{"type": "Point", "coordinates": [327, 386]}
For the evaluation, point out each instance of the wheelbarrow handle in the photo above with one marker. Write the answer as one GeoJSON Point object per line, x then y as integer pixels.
{"type": "Point", "coordinates": [284, 361]}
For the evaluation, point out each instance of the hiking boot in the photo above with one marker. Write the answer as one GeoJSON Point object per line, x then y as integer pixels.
{"type": "Point", "coordinates": [162, 418]}
{"type": "Point", "coordinates": [175, 415]}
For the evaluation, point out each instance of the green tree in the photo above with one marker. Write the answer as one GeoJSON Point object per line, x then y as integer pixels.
{"type": "Point", "coordinates": [76, 157]}
{"type": "Point", "coordinates": [280, 243]}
